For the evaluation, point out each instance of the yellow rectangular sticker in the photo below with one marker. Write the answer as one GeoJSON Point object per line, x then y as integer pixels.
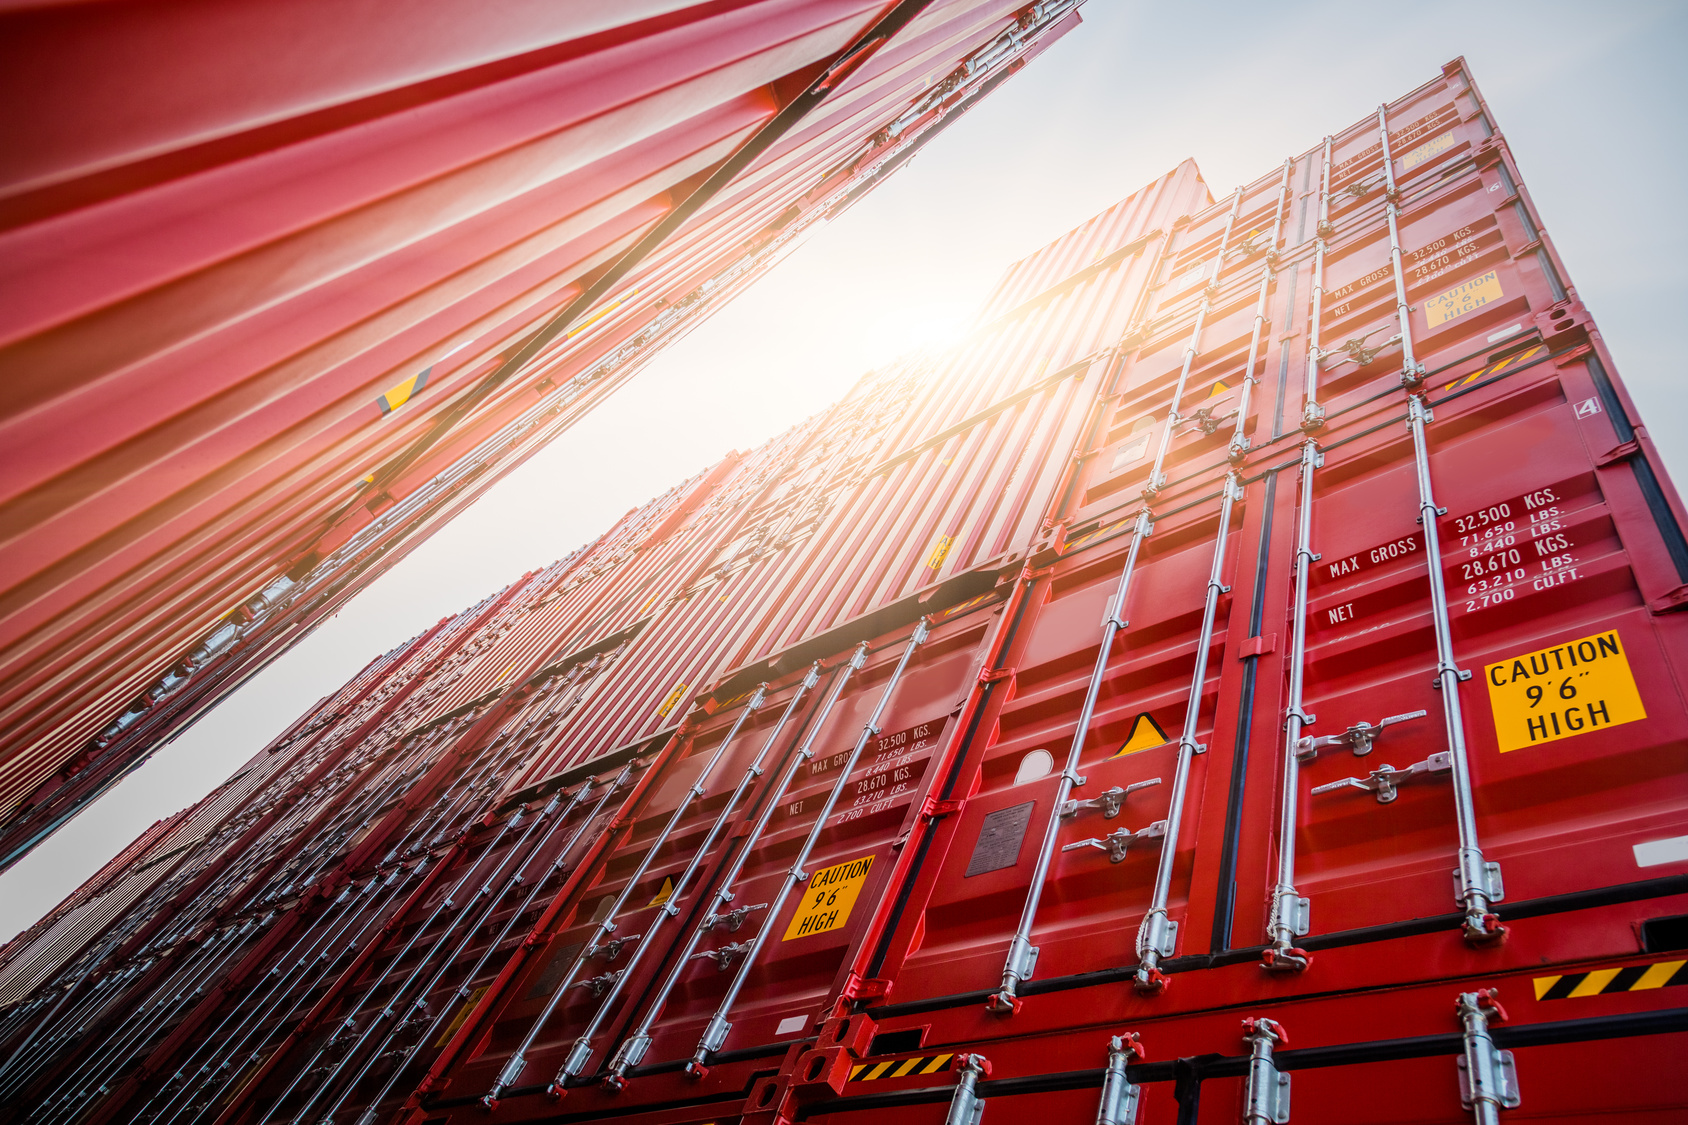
{"type": "Point", "coordinates": [940, 551]}
{"type": "Point", "coordinates": [672, 701]}
{"type": "Point", "coordinates": [1434, 147]}
{"type": "Point", "coordinates": [828, 898]}
{"type": "Point", "coordinates": [1461, 299]}
{"type": "Point", "coordinates": [1566, 690]}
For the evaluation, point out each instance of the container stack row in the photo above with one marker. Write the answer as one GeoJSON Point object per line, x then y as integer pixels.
{"type": "Point", "coordinates": [1243, 681]}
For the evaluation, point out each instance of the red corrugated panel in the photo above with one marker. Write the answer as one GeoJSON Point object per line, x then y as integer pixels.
{"type": "Point", "coordinates": [220, 398]}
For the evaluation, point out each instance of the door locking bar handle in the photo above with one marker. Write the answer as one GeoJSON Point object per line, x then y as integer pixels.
{"type": "Point", "coordinates": [600, 984]}
{"type": "Point", "coordinates": [725, 956]}
{"type": "Point", "coordinates": [1360, 738]}
{"type": "Point", "coordinates": [732, 919]}
{"type": "Point", "coordinates": [1386, 780]}
{"type": "Point", "coordinates": [611, 949]}
{"type": "Point", "coordinates": [1109, 801]}
{"type": "Point", "coordinates": [1119, 840]}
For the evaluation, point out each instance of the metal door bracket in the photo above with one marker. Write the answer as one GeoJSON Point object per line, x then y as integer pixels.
{"type": "Point", "coordinates": [1488, 1078]}
{"type": "Point", "coordinates": [966, 1106]}
{"type": "Point", "coordinates": [1109, 801]}
{"type": "Point", "coordinates": [1120, 1096]}
{"type": "Point", "coordinates": [1266, 1101]}
{"type": "Point", "coordinates": [1386, 780]}
{"type": "Point", "coordinates": [935, 807]}
{"type": "Point", "coordinates": [1360, 738]}
{"type": "Point", "coordinates": [1116, 842]}
{"type": "Point", "coordinates": [1490, 884]}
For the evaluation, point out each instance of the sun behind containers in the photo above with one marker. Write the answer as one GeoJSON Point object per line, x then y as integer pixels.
{"type": "Point", "coordinates": [1035, 785]}
{"type": "Point", "coordinates": [505, 222]}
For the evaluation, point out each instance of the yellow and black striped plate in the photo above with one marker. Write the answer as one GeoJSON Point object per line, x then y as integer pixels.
{"type": "Point", "coordinates": [1603, 982]}
{"type": "Point", "coordinates": [900, 1068]}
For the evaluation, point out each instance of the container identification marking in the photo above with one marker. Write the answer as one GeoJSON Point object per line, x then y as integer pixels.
{"type": "Point", "coordinates": [1000, 837]}
{"type": "Point", "coordinates": [1425, 151]}
{"type": "Point", "coordinates": [1466, 297]}
{"type": "Point", "coordinates": [828, 898]}
{"type": "Point", "coordinates": [1569, 689]}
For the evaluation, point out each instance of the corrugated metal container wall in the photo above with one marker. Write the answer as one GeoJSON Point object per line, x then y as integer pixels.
{"type": "Point", "coordinates": [1092, 692]}
{"type": "Point", "coordinates": [264, 393]}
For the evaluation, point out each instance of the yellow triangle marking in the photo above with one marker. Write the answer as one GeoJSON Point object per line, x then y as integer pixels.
{"type": "Point", "coordinates": [1145, 735]}
{"type": "Point", "coordinates": [665, 893]}
{"type": "Point", "coordinates": [1543, 984]}
{"type": "Point", "coordinates": [1219, 388]}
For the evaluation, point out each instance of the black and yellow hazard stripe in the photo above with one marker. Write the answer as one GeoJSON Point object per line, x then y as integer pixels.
{"type": "Point", "coordinates": [1603, 982]}
{"type": "Point", "coordinates": [900, 1068]}
{"type": "Point", "coordinates": [1512, 362]}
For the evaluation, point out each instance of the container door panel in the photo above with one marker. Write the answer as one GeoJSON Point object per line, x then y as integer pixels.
{"type": "Point", "coordinates": [1092, 903]}
{"type": "Point", "coordinates": [1574, 725]}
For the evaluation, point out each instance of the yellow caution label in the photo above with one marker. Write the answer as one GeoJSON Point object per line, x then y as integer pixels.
{"type": "Point", "coordinates": [940, 552]}
{"type": "Point", "coordinates": [671, 701]}
{"type": "Point", "coordinates": [1461, 299]}
{"type": "Point", "coordinates": [1145, 734]}
{"type": "Point", "coordinates": [828, 898]}
{"type": "Point", "coordinates": [1433, 147]}
{"type": "Point", "coordinates": [397, 396]}
{"type": "Point", "coordinates": [462, 1014]}
{"type": "Point", "coordinates": [1559, 692]}
{"type": "Point", "coordinates": [664, 893]}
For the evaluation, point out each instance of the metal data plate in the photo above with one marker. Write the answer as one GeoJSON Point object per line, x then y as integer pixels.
{"type": "Point", "coordinates": [999, 839]}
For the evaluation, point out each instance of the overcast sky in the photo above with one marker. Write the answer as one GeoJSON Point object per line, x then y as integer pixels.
{"type": "Point", "coordinates": [1592, 99]}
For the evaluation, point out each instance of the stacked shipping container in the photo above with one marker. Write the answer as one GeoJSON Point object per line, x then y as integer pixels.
{"type": "Point", "coordinates": [286, 302]}
{"type": "Point", "coordinates": [1262, 630]}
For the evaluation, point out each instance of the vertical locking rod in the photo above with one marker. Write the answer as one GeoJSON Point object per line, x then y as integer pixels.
{"type": "Point", "coordinates": [1477, 879]}
{"type": "Point", "coordinates": [1239, 445]}
{"type": "Point", "coordinates": [1488, 1078]}
{"type": "Point", "coordinates": [966, 1106]}
{"type": "Point", "coordinates": [388, 1012]}
{"type": "Point", "coordinates": [633, 1048]}
{"type": "Point", "coordinates": [716, 1032]}
{"type": "Point", "coordinates": [1266, 1096]}
{"type": "Point", "coordinates": [1021, 961]}
{"type": "Point", "coordinates": [1120, 1095]}
{"type": "Point", "coordinates": [1288, 918]}
{"type": "Point", "coordinates": [497, 885]}
{"type": "Point", "coordinates": [1155, 935]}
{"type": "Point", "coordinates": [1022, 954]}
{"type": "Point", "coordinates": [582, 1050]}
{"type": "Point", "coordinates": [464, 992]}
{"type": "Point", "coordinates": [513, 1066]}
